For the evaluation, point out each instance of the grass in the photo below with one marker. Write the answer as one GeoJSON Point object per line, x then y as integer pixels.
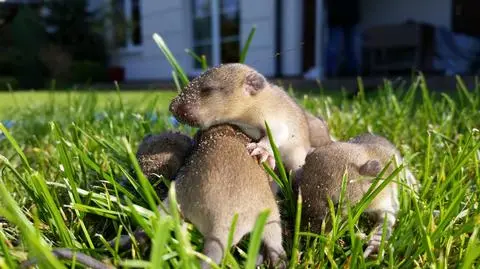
{"type": "Point", "coordinates": [9, 101]}
{"type": "Point", "coordinates": [64, 162]}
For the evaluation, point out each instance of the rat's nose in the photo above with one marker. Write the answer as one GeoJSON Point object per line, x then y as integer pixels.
{"type": "Point", "coordinates": [173, 106]}
{"type": "Point", "coordinates": [183, 112]}
{"type": "Point", "coordinates": [179, 109]}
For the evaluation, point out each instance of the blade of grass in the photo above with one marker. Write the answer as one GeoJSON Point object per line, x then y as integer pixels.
{"type": "Point", "coordinates": [35, 243]}
{"type": "Point", "coordinates": [5, 251]}
{"type": "Point", "coordinates": [256, 239]}
{"type": "Point", "coordinates": [296, 233]}
{"type": "Point", "coordinates": [201, 59]}
{"type": "Point", "coordinates": [49, 205]}
{"type": "Point", "coordinates": [184, 247]}
{"type": "Point", "coordinates": [230, 239]}
{"type": "Point", "coordinates": [160, 238]}
{"type": "Point", "coordinates": [243, 53]}
{"type": "Point", "coordinates": [171, 59]}
{"type": "Point", "coordinates": [147, 188]}
{"type": "Point", "coordinates": [473, 250]}
{"type": "Point", "coordinates": [15, 145]}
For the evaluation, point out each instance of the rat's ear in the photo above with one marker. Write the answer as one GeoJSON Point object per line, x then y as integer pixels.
{"type": "Point", "coordinates": [254, 82]}
{"type": "Point", "coordinates": [370, 168]}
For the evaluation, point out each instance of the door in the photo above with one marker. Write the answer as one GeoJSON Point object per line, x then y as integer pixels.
{"type": "Point", "coordinates": [309, 30]}
{"type": "Point", "coordinates": [466, 17]}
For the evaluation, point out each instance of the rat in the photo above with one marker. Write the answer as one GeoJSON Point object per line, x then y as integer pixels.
{"type": "Point", "coordinates": [158, 155]}
{"type": "Point", "coordinates": [362, 158]}
{"type": "Point", "coordinates": [220, 179]}
{"type": "Point", "coordinates": [319, 132]}
{"type": "Point", "coordinates": [237, 94]}
{"type": "Point", "coordinates": [162, 155]}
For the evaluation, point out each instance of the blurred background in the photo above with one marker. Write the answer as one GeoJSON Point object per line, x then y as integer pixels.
{"type": "Point", "coordinates": [100, 41]}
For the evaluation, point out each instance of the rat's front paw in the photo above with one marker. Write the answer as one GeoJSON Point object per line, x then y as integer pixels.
{"type": "Point", "coordinates": [373, 245]}
{"type": "Point", "coordinates": [256, 149]}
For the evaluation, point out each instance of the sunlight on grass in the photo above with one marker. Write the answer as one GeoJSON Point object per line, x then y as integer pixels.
{"type": "Point", "coordinates": [19, 100]}
{"type": "Point", "coordinates": [69, 179]}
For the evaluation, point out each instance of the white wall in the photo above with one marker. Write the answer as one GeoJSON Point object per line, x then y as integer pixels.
{"type": "Point", "coordinates": [375, 12]}
{"type": "Point", "coordinates": [262, 49]}
{"type": "Point", "coordinates": [168, 19]}
{"type": "Point", "coordinates": [172, 20]}
{"type": "Point", "coordinates": [292, 34]}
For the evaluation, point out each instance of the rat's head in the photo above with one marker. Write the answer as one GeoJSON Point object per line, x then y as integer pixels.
{"type": "Point", "coordinates": [330, 164]}
{"type": "Point", "coordinates": [220, 94]}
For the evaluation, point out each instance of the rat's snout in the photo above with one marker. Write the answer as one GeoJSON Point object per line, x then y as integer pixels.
{"type": "Point", "coordinates": [173, 106]}
{"type": "Point", "coordinates": [183, 111]}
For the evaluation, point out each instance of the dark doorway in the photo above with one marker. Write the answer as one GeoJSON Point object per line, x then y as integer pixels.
{"type": "Point", "coordinates": [466, 17]}
{"type": "Point", "coordinates": [309, 19]}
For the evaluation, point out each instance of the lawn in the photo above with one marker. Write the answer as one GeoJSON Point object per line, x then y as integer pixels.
{"type": "Point", "coordinates": [10, 103]}
{"type": "Point", "coordinates": [65, 170]}
{"type": "Point", "coordinates": [69, 180]}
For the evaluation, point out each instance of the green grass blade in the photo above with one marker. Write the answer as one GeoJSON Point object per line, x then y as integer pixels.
{"type": "Point", "coordinates": [184, 247]}
{"type": "Point", "coordinates": [176, 81]}
{"type": "Point", "coordinates": [160, 238]}
{"type": "Point", "coordinates": [53, 209]}
{"type": "Point", "coordinates": [147, 188]}
{"type": "Point", "coordinates": [243, 53]}
{"type": "Point", "coordinates": [65, 159]}
{"type": "Point", "coordinates": [201, 59]}
{"type": "Point", "coordinates": [231, 233]}
{"type": "Point", "coordinates": [35, 243]}
{"type": "Point", "coordinates": [296, 233]}
{"type": "Point", "coordinates": [15, 145]}
{"type": "Point", "coordinates": [472, 252]}
{"type": "Point", "coordinates": [256, 239]}
{"type": "Point", "coordinates": [171, 59]}
{"type": "Point", "coordinates": [5, 251]}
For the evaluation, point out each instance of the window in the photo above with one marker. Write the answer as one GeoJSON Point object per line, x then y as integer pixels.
{"type": "Point", "coordinates": [216, 30]}
{"type": "Point", "coordinates": [127, 23]}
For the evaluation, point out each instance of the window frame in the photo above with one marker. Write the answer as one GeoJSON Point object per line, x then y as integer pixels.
{"type": "Point", "coordinates": [216, 39]}
{"type": "Point", "coordinates": [129, 47]}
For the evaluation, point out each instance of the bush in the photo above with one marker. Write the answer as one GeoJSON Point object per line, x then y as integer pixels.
{"type": "Point", "coordinates": [57, 61]}
{"type": "Point", "coordinates": [88, 71]}
{"type": "Point", "coordinates": [28, 37]}
{"type": "Point", "coordinates": [4, 81]}
{"type": "Point", "coordinates": [77, 29]}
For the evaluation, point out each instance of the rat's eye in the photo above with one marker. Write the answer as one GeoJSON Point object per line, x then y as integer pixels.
{"type": "Point", "coordinates": [206, 90]}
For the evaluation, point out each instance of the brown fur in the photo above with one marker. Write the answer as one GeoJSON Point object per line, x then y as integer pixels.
{"type": "Point", "coordinates": [237, 94]}
{"type": "Point", "coordinates": [163, 155]}
{"type": "Point", "coordinates": [221, 179]}
{"type": "Point", "coordinates": [362, 158]}
{"type": "Point", "coordinates": [159, 155]}
{"type": "Point", "coordinates": [318, 130]}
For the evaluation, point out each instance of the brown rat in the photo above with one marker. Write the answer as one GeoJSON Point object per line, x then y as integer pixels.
{"type": "Point", "coordinates": [363, 158]}
{"type": "Point", "coordinates": [220, 179]}
{"type": "Point", "coordinates": [318, 130]}
{"type": "Point", "coordinates": [159, 155]}
{"type": "Point", "coordinates": [237, 94]}
{"type": "Point", "coordinates": [163, 154]}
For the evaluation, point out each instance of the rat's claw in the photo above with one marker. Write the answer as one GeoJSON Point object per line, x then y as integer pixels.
{"type": "Point", "coordinates": [373, 245]}
{"type": "Point", "coordinates": [262, 153]}
{"type": "Point", "coordinates": [271, 161]}
{"type": "Point", "coordinates": [251, 147]}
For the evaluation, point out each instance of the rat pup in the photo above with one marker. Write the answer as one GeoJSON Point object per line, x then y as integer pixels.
{"type": "Point", "coordinates": [163, 154]}
{"type": "Point", "coordinates": [318, 131]}
{"type": "Point", "coordinates": [220, 179]}
{"type": "Point", "coordinates": [237, 94]}
{"type": "Point", "coordinates": [362, 158]}
{"type": "Point", "coordinates": [159, 155]}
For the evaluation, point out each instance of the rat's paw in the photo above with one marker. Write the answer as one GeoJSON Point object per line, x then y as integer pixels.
{"type": "Point", "coordinates": [256, 149]}
{"type": "Point", "coordinates": [373, 245]}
